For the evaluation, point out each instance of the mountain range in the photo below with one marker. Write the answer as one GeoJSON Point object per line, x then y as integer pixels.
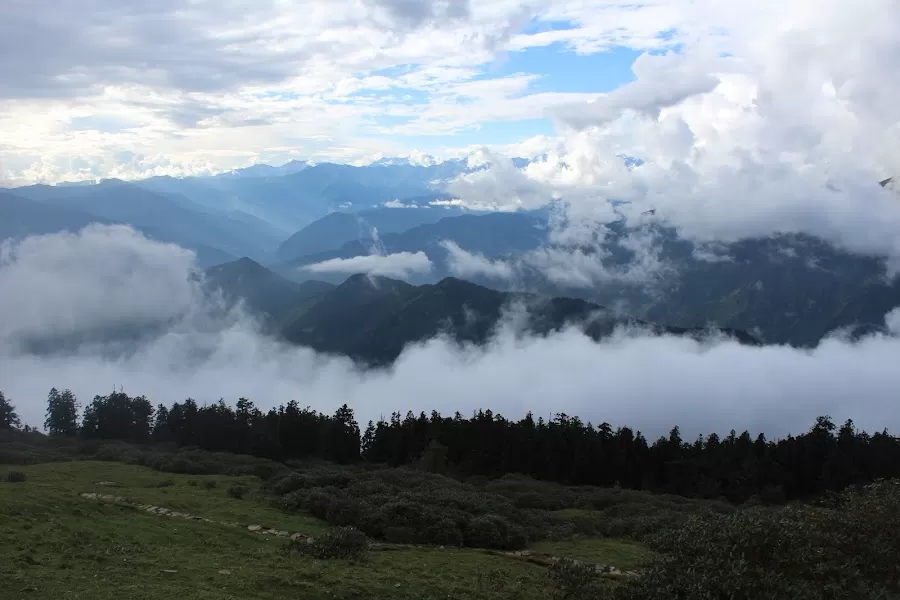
{"type": "Point", "coordinates": [372, 319]}
{"type": "Point", "coordinates": [790, 289]}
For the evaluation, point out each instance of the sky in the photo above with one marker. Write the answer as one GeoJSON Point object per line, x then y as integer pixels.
{"type": "Point", "coordinates": [130, 89]}
{"type": "Point", "coordinates": [109, 87]}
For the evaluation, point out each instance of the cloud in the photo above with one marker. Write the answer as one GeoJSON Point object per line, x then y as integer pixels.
{"type": "Point", "coordinates": [41, 297]}
{"type": "Point", "coordinates": [586, 266]}
{"type": "Point", "coordinates": [662, 81]}
{"type": "Point", "coordinates": [649, 383]}
{"type": "Point", "coordinates": [466, 264]}
{"type": "Point", "coordinates": [758, 124]}
{"type": "Point", "coordinates": [400, 265]}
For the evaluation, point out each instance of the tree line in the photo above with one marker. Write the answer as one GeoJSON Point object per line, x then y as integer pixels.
{"type": "Point", "coordinates": [565, 449]}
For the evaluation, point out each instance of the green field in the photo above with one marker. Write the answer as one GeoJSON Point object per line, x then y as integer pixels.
{"type": "Point", "coordinates": [56, 544]}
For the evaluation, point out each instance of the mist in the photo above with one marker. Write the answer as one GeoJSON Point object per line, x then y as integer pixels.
{"type": "Point", "coordinates": [68, 283]}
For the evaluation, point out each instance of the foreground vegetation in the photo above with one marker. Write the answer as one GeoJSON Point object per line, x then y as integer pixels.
{"type": "Point", "coordinates": [86, 515]}
{"type": "Point", "coordinates": [381, 532]}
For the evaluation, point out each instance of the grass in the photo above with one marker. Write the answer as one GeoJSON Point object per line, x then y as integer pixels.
{"type": "Point", "coordinates": [64, 480]}
{"type": "Point", "coordinates": [621, 553]}
{"type": "Point", "coordinates": [55, 544]}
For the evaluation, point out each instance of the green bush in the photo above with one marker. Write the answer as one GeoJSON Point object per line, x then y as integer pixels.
{"type": "Point", "coordinates": [165, 483]}
{"type": "Point", "coordinates": [569, 580]}
{"type": "Point", "coordinates": [15, 477]}
{"type": "Point", "coordinates": [237, 490]}
{"type": "Point", "coordinates": [444, 532]}
{"type": "Point", "coordinates": [209, 484]}
{"type": "Point", "coordinates": [339, 543]}
{"type": "Point", "coordinates": [494, 531]}
{"type": "Point", "coordinates": [192, 482]}
{"type": "Point", "coordinates": [846, 548]}
{"type": "Point", "coordinates": [400, 535]}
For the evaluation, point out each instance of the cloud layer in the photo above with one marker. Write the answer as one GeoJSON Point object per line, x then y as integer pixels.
{"type": "Point", "coordinates": [399, 265]}
{"type": "Point", "coordinates": [650, 383]}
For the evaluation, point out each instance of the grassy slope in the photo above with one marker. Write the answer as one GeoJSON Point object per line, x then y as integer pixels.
{"type": "Point", "coordinates": [54, 544]}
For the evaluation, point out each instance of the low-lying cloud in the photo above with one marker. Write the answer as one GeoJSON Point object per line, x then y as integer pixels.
{"type": "Point", "coordinates": [467, 264]}
{"type": "Point", "coordinates": [642, 381]}
{"type": "Point", "coordinates": [400, 265]}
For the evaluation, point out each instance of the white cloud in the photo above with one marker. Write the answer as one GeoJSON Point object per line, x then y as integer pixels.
{"type": "Point", "coordinates": [41, 297]}
{"type": "Point", "coordinates": [398, 204]}
{"type": "Point", "coordinates": [773, 118]}
{"type": "Point", "coordinates": [467, 264]}
{"type": "Point", "coordinates": [649, 383]}
{"type": "Point", "coordinates": [399, 265]}
{"type": "Point", "coordinates": [662, 81]}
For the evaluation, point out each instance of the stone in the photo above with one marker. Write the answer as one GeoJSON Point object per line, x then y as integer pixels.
{"type": "Point", "coordinates": [224, 572]}
{"type": "Point", "coordinates": [169, 571]}
{"type": "Point", "coordinates": [254, 528]}
{"type": "Point", "coordinates": [109, 483]}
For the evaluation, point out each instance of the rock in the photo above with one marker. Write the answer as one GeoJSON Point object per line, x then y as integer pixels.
{"type": "Point", "coordinates": [109, 483]}
{"type": "Point", "coordinates": [169, 571]}
{"type": "Point", "coordinates": [282, 533]}
{"type": "Point", "coordinates": [224, 572]}
{"type": "Point", "coordinates": [254, 528]}
{"type": "Point", "coordinates": [297, 536]}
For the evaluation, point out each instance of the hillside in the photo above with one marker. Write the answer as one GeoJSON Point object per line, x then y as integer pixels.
{"type": "Point", "coordinates": [492, 235]}
{"type": "Point", "coordinates": [124, 530]}
{"type": "Point", "coordinates": [21, 217]}
{"type": "Point", "coordinates": [294, 198]}
{"type": "Point", "coordinates": [373, 318]}
{"type": "Point", "coordinates": [338, 228]}
{"type": "Point", "coordinates": [263, 292]}
{"type": "Point", "coordinates": [161, 216]}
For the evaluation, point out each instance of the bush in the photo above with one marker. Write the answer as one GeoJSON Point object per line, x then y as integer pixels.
{"type": "Point", "coordinates": [165, 483]}
{"type": "Point", "coordinates": [847, 549]}
{"type": "Point", "coordinates": [192, 482]}
{"type": "Point", "coordinates": [209, 484]}
{"type": "Point", "coordinates": [569, 580]}
{"type": "Point", "coordinates": [15, 477]}
{"type": "Point", "coordinates": [341, 543]}
{"type": "Point", "coordinates": [237, 490]}
{"type": "Point", "coordinates": [444, 533]}
{"type": "Point", "coordinates": [400, 535]}
{"type": "Point", "coordinates": [494, 531]}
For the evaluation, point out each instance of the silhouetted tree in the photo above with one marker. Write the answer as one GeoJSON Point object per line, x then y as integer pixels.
{"type": "Point", "coordinates": [118, 416]}
{"type": "Point", "coordinates": [9, 419]}
{"type": "Point", "coordinates": [62, 413]}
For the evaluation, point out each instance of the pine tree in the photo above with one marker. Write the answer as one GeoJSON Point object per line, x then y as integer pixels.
{"type": "Point", "coordinates": [8, 417]}
{"type": "Point", "coordinates": [62, 413]}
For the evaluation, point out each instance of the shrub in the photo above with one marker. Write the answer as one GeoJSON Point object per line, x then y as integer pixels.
{"type": "Point", "coordinates": [569, 580]}
{"type": "Point", "coordinates": [209, 484]}
{"type": "Point", "coordinates": [493, 531]}
{"type": "Point", "coordinates": [341, 543]}
{"type": "Point", "coordinates": [399, 535]}
{"type": "Point", "coordinates": [237, 490]}
{"type": "Point", "coordinates": [192, 482]}
{"type": "Point", "coordinates": [165, 483]}
{"type": "Point", "coordinates": [847, 549]}
{"type": "Point", "coordinates": [15, 477]}
{"type": "Point", "coordinates": [342, 512]}
{"type": "Point", "coordinates": [444, 533]}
